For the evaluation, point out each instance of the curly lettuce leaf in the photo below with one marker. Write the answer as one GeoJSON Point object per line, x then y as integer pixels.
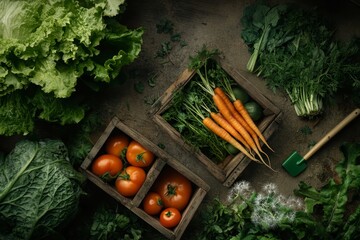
{"type": "Point", "coordinates": [63, 111]}
{"type": "Point", "coordinates": [119, 39]}
{"type": "Point", "coordinates": [16, 114]}
{"type": "Point", "coordinates": [39, 189]}
{"type": "Point", "coordinates": [19, 111]}
{"type": "Point", "coordinates": [55, 44]}
{"type": "Point", "coordinates": [59, 42]}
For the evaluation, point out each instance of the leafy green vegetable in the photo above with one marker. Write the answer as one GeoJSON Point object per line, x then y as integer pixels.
{"type": "Point", "coordinates": [263, 18]}
{"type": "Point", "coordinates": [249, 215]}
{"type": "Point", "coordinates": [295, 51]}
{"type": "Point", "coordinates": [79, 141]}
{"type": "Point", "coordinates": [19, 109]}
{"type": "Point", "coordinates": [108, 225]}
{"type": "Point", "coordinates": [57, 45]}
{"type": "Point", "coordinates": [350, 86]}
{"type": "Point", "coordinates": [332, 212]}
{"type": "Point", "coordinates": [16, 114]}
{"type": "Point", "coordinates": [334, 198]}
{"type": "Point", "coordinates": [39, 189]}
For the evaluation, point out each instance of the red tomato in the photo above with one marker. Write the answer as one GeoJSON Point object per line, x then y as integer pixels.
{"type": "Point", "coordinates": [152, 203]}
{"type": "Point", "coordinates": [130, 181]}
{"type": "Point", "coordinates": [170, 217]}
{"type": "Point", "coordinates": [175, 189]}
{"type": "Point", "coordinates": [107, 166]}
{"type": "Point", "coordinates": [117, 144]}
{"type": "Point", "coordinates": [139, 156]}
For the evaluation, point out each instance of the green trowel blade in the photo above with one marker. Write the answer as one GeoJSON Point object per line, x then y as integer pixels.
{"type": "Point", "coordinates": [294, 164]}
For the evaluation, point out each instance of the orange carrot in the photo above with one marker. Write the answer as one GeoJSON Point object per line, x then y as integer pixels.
{"type": "Point", "coordinates": [239, 118]}
{"type": "Point", "coordinates": [224, 124]}
{"type": "Point", "coordinates": [220, 104]}
{"type": "Point", "coordinates": [223, 134]}
{"type": "Point", "coordinates": [243, 112]}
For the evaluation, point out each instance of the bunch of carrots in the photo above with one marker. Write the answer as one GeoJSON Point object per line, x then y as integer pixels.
{"type": "Point", "coordinates": [231, 122]}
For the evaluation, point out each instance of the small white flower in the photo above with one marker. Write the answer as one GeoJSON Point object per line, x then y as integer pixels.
{"type": "Point", "coordinates": [260, 200]}
{"type": "Point", "coordinates": [281, 199]}
{"type": "Point", "coordinates": [272, 208]}
{"type": "Point", "coordinates": [295, 203]}
{"type": "Point", "coordinates": [270, 188]}
{"type": "Point", "coordinates": [242, 188]}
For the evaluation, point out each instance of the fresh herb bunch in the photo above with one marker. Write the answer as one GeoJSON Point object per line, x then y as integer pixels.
{"type": "Point", "coordinates": [350, 86]}
{"type": "Point", "coordinates": [107, 224]}
{"type": "Point", "coordinates": [295, 50]}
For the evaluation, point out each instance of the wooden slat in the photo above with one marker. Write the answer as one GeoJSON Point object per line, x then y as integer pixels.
{"type": "Point", "coordinates": [99, 143]}
{"type": "Point", "coordinates": [213, 168]}
{"type": "Point", "coordinates": [162, 103]}
{"type": "Point", "coordinates": [162, 159]}
{"type": "Point", "coordinates": [149, 181]}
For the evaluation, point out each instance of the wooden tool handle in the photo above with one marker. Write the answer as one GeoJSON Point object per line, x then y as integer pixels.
{"type": "Point", "coordinates": [332, 133]}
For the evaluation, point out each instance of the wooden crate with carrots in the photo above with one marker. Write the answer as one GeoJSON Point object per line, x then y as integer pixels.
{"type": "Point", "coordinates": [136, 172]}
{"type": "Point", "coordinates": [184, 106]}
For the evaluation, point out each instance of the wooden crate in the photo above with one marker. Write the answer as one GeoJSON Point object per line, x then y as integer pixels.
{"type": "Point", "coordinates": [162, 159]}
{"type": "Point", "coordinates": [232, 166]}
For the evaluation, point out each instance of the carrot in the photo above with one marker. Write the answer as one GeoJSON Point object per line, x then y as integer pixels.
{"type": "Point", "coordinates": [220, 104]}
{"type": "Point", "coordinates": [224, 124]}
{"type": "Point", "coordinates": [243, 112]}
{"type": "Point", "coordinates": [223, 134]}
{"type": "Point", "coordinates": [239, 118]}
{"type": "Point", "coordinates": [234, 112]}
{"type": "Point", "coordinates": [216, 129]}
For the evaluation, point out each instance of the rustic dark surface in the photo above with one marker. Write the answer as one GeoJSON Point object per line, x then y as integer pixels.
{"type": "Point", "coordinates": [217, 25]}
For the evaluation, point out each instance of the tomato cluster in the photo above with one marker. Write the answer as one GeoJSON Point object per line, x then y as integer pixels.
{"type": "Point", "coordinates": [168, 197]}
{"type": "Point", "coordinates": [125, 161]}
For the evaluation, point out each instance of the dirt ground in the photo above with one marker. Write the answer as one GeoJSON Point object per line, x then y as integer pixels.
{"type": "Point", "coordinates": [216, 24]}
{"type": "Point", "coordinates": [218, 27]}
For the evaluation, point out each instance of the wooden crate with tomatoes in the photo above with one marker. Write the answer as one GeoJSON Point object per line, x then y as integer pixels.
{"type": "Point", "coordinates": [190, 100]}
{"type": "Point", "coordinates": [137, 173]}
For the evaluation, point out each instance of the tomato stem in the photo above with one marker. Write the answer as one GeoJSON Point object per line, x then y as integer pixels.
{"type": "Point", "coordinates": [140, 157]}
{"type": "Point", "coordinates": [171, 190]}
{"type": "Point", "coordinates": [168, 213]}
{"type": "Point", "coordinates": [125, 175]}
{"type": "Point", "coordinates": [107, 176]}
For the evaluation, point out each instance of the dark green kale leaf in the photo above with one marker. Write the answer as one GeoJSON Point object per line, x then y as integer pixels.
{"type": "Point", "coordinates": [39, 190]}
